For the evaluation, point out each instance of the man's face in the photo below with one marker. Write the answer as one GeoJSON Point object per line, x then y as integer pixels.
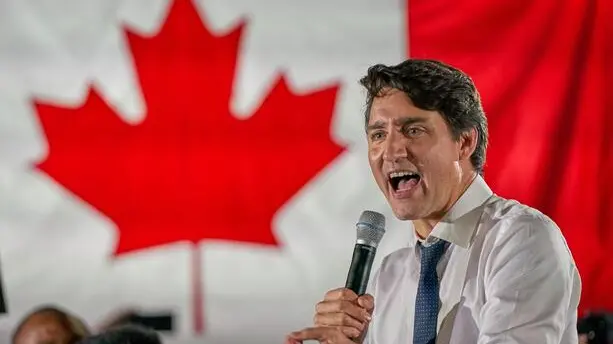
{"type": "Point", "coordinates": [414, 158]}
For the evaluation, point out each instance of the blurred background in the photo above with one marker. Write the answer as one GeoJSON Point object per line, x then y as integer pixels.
{"type": "Point", "coordinates": [200, 165]}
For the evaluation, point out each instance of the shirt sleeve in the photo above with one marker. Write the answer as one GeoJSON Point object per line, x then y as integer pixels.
{"type": "Point", "coordinates": [531, 284]}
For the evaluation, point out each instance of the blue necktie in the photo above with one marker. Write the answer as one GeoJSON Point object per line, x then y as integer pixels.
{"type": "Point", "coordinates": [426, 302]}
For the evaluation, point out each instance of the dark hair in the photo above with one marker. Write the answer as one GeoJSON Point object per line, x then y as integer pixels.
{"type": "Point", "coordinates": [434, 86]}
{"type": "Point", "coordinates": [74, 325]}
{"type": "Point", "coordinates": [127, 334]}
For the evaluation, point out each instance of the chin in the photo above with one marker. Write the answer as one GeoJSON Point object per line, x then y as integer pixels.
{"type": "Point", "coordinates": [405, 214]}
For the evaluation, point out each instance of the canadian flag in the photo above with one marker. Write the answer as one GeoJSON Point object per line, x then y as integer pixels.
{"type": "Point", "coordinates": [206, 158]}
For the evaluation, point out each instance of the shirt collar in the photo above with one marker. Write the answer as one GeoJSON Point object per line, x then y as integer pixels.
{"type": "Point", "coordinates": [460, 222]}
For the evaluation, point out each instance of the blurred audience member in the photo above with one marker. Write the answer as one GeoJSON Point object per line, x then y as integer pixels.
{"type": "Point", "coordinates": [129, 334]}
{"type": "Point", "coordinates": [49, 325]}
{"type": "Point", "coordinates": [596, 328]}
{"type": "Point", "coordinates": [158, 321]}
{"type": "Point", "coordinates": [119, 318]}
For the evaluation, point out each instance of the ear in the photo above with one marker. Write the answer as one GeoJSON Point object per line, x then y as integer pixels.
{"type": "Point", "coordinates": [468, 143]}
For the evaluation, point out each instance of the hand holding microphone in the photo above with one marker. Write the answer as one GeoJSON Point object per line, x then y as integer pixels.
{"type": "Point", "coordinates": [344, 313]}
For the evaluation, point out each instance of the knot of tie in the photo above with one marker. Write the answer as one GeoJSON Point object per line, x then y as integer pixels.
{"type": "Point", "coordinates": [431, 254]}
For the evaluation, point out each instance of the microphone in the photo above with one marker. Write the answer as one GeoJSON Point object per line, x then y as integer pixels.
{"type": "Point", "coordinates": [3, 302]}
{"type": "Point", "coordinates": [370, 229]}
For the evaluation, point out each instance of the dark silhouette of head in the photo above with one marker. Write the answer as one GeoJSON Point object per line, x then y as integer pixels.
{"type": "Point", "coordinates": [49, 325]}
{"type": "Point", "coordinates": [128, 334]}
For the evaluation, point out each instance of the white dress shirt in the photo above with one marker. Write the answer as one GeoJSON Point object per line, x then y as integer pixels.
{"type": "Point", "coordinates": [506, 277]}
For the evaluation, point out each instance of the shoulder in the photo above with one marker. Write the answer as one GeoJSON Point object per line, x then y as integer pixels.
{"type": "Point", "coordinates": [510, 219]}
{"type": "Point", "coordinates": [515, 230]}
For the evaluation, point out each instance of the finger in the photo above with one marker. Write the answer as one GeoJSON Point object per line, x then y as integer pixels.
{"type": "Point", "coordinates": [341, 294]}
{"type": "Point", "coordinates": [348, 307]}
{"type": "Point", "coordinates": [290, 340]}
{"type": "Point", "coordinates": [338, 319]}
{"type": "Point", "coordinates": [350, 332]}
{"type": "Point", "coordinates": [367, 302]}
{"type": "Point", "coordinates": [312, 333]}
{"type": "Point", "coordinates": [322, 334]}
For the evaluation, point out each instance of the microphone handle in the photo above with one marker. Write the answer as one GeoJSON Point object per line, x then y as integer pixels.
{"type": "Point", "coordinates": [3, 301]}
{"type": "Point", "coordinates": [359, 271]}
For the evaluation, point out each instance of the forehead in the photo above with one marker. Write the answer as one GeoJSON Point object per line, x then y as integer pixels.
{"type": "Point", "coordinates": [394, 105]}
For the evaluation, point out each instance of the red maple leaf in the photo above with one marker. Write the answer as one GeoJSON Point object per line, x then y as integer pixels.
{"type": "Point", "coordinates": [191, 170]}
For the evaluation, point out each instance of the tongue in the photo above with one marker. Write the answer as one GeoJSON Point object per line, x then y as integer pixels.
{"type": "Point", "coordinates": [406, 184]}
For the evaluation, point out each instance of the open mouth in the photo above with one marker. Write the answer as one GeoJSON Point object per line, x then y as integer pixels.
{"type": "Point", "coordinates": [403, 180]}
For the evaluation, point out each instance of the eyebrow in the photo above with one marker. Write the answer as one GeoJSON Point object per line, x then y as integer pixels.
{"type": "Point", "coordinates": [376, 125]}
{"type": "Point", "coordinates": [399, 122]}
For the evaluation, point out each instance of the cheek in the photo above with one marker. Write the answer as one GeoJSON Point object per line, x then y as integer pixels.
{"type": "Point", "coordinates": [437, 164]}
{"type": "Point", "coordinates": [375, 160]}
{"type": "Point", "coordinates": [375, 157]}
{"type": "Point", "coordinates": [444, 152]}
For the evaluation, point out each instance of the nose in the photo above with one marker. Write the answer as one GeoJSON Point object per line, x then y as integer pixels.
{"type": "Point", "coordinates": [395, 147]}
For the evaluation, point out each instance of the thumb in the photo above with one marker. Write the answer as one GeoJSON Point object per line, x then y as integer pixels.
{"type": "Point", "coordinates": [367, 301]}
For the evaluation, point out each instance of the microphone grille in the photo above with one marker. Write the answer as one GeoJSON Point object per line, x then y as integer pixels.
{"type": "Point", "coordinates": [370, 228]}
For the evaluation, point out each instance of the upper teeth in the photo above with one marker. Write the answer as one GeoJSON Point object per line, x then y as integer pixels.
{"type": "Point", "coordinates": [401, 174]}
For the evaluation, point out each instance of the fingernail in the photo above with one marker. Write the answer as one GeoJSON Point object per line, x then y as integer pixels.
{"type": "Point", "coordinates": [368, 317]}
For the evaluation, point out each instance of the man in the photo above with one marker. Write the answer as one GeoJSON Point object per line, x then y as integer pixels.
{"type": "Point", "coordinates": [481, 268]}
{"type": "Point", "coordinates": [129, 334]}
{"type": "Point", "coordinates": [49, 325]}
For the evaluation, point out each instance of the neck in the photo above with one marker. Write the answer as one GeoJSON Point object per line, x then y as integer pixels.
{"type": "Point", "coordinates": [423, 227]}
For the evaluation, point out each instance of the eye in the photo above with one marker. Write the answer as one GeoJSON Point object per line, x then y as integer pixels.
{"type": "Point", "coordinates": [414, 131]}
{"type": "Point", "coordinates": [377, 135]}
